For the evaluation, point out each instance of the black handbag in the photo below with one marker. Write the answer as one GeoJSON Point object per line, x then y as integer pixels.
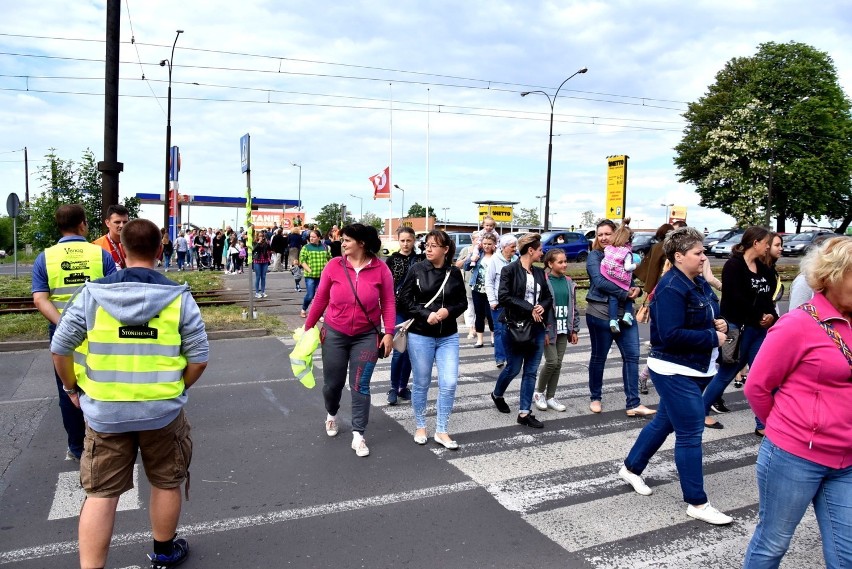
{"type": "Point", "coordinates": [521, 331]}
{"type": "Point", "coordinates": [729, 352]}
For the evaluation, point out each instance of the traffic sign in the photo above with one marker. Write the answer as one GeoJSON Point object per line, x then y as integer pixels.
{"type": "Point", "coordinates": [13, 205]}
{"type": "Point", "coordinates": [245, 153]}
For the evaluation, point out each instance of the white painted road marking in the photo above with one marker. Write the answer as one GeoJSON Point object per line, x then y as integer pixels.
{"type": "Point", "coordinates": [68, 496]}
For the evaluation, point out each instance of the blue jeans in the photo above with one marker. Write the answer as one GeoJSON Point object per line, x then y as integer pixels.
{"type": "Point", "coordinates": [527, 355]}
{"type": "Point", "coordinates": [750, 342]}
{"type": "Point", "coordinates": [260, 277]}
{"type": "Point", "coordinates": [181, 258]}
{"type": "Point", "coordinates": [167, 261]}
{"type": "Point", "coordinates": [786, 485]}
{"type": "Point", "coordinates": [681, 411]}
{"type": "Point", "coordinates": [601, 338]}
{"type": "Point", "coordinates": [613, 304]}
{"type": "Point", "coordinates": [400, 365]}
{"type": "Point", "coordinates": [499, 336]}
{"type": "Point", "coordinates": [424, 351]}
{"type": "Point", "coordinates": [311, 285]}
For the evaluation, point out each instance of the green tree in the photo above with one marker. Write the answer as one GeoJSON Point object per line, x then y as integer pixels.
{"type": "Point", "coordinates": [66, 182]}
{"type": "Point", "coordinates": [780, 113]}
{"type": "Point", "coordinates": [6, 238]}
{"type": "Point", "coordinates": [587, 219]}
{"type": "Point", "coordinates": [331, 214]}
{"type": "Point", "coordinates": [418, 210]}
{"type": "Point", "coordinates": [527, 217]}
{"type": "Point", "coordinates": [374, 220]}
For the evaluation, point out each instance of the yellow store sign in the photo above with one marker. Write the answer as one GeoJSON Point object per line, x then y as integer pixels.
{"type": "Point", "coordinates": [500, 213]}
{"type": "Point", "coordinates": [616, 186]}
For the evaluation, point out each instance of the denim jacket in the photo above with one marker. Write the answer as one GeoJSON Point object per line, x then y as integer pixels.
{"type": "Point", "coordinates": [682, 314]}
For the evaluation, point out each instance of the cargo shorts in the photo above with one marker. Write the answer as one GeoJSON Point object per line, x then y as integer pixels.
{"type": "Point", "coordinates": [106, 467]}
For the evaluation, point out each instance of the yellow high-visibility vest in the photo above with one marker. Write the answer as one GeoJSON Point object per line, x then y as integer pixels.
{"type": "Point", "coordinates": [134, 363]}
{"type": "Point", "coordinates": [70, 265]}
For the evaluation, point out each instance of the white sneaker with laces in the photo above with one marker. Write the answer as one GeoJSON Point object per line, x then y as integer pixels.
{"type": "Point", "coordinates": [552, 403]}
{"type": "Point", "coordinates": [359, 445]}
{"type": "Point", "coordinates": [636, 481]}
{"type": "Point", "coordinates": [331, 428]}
{"type": "Point", "coordinates": [539, 400]}
{"type": "Point", "coordinates": [708, 514]}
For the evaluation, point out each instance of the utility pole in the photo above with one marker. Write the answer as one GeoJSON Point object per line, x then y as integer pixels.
{"type": "Point", "coordinates": [26, 178]}
{"type": "Point", "coordinates": [110, 167]}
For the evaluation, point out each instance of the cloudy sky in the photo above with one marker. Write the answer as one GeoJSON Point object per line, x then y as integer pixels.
{"type": "Point", "coordinates": [314, 83]}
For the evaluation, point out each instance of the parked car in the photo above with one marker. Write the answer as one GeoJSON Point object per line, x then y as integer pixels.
{"type": "Point", "coordinates": [461, 239]}
{"type": "Point", "coordinates": [642, 242]}
{"type": "Point", "coordinates": [724, 248]}
{"type": "Point", "coordinates": [575, 245]}
{"type": "Point", "coordinates": [2, 254]}
{"type": "Point", "coordinates": [802, 243]}
{"type": "Point", "coordinates": [720, 235]}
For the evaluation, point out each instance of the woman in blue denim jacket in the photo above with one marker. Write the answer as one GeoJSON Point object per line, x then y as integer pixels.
{"type": "Point", "coordinates": [600, 335]}
{"type": "Point", "coordinates": [686, 333]}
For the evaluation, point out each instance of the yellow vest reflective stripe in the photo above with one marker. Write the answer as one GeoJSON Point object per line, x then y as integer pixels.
{"type": "Point", "coordinates": [69, 265]}
{"type": "Point", "coordinates": [134, 363]}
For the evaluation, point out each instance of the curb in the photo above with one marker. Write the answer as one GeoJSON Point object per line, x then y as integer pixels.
{"type": "Point", "coordinates": [30, 345]}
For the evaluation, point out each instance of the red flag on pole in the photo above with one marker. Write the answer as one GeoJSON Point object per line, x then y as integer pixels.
{"type": "Point", "coordinates": [381, 184]}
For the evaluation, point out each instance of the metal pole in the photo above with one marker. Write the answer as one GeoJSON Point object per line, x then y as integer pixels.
{"type": "Point", "coordinates": [110, 167]}
{"type": "Point", "coordinates": [167, 194]}
{"type": "Point", "coordinates": [769, 190]}
{"type": "Point", "coordinates": [300, 183]}
{"type": "Point", "coordinates": [26, 178]}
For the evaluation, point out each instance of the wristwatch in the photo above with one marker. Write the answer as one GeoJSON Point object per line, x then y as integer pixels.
{"type": "Point", "coordinates": [70, 391]}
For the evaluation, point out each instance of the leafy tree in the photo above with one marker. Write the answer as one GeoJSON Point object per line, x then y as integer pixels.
{"type": "Point", "coordinates": [418, 210]}
{"type": "Point", "coordinates": [371, 218]}
{"type": "Point", "coordinates": [332, 214]}
{"type": "Point", "coordinates": [6, 238]}
{"type": "Point", "coordinates": [587, 219]}
{"type": "Point", "coordinates": [66, 182]}
{"type": "Point", "coordinates": [527, 217]}
{"type": "Point", "coordinates": [779, 113]}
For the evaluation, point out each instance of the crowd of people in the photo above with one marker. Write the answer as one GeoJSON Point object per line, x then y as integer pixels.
{"type": "Point", "coordinates": [798, 385]}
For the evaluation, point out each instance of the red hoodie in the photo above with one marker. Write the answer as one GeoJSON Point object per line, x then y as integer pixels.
{"type": "Point", "coordinates": [374, 285]}
{"type": "Point", "coordinates": [810, 416]}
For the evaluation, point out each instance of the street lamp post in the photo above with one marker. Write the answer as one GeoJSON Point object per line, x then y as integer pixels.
{"type": "Point", "coordinates": [300, 183]}
{"type": "Point", "coordinates": [402, 207]}
{"type": "Point", "coordinates": [167, 194]}
{"type": "Point", "coordinates": [667, 206]}
{"type": "Point", "coordinates": [362, 206]}
{"type": "Point", "coordinates": [446, 209]}
{"type": "Point", "coordinates": [550, 144]}
{"type": "Point", "coordinates": [540, 221]}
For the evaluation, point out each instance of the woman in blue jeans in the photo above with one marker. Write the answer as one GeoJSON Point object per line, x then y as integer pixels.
{"type": "Point", "coordinates": [747, 304]}
{"type": "Point", "coordinates": [525, 297]}
{"type": "Point", "coordinates": [600, 335]}
{"type": "Point", "coordinates": [686, 332]}
{"type": "Point", "coordinates": [505, 254]}
{"type": "Point", "coordinates": [434, 295]}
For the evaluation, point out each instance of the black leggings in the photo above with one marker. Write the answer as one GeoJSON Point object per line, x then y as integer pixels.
{"type": "Point", "coordinates": [483, 312]}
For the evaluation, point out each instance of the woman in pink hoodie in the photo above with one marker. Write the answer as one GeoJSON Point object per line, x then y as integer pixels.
{"type": "Point", "coordinates": [356, 294]}
{"type": "Point", "coordinates": [800, 386]}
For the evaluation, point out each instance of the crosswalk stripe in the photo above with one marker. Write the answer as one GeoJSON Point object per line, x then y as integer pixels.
{"type": "Point", "coordinates": [69, 496]}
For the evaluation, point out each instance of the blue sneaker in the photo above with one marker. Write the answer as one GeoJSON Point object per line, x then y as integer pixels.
{"type": "Point", "coordinates": [392, 396]}
{"type": "Point", "coordinates": [178, 556]}
{"type": "Point", "coordinates": [405, 394]}
{"type": "Point", "coordinates": [627, 319]}
{"type": "Point", "coordinates": [614, 327]}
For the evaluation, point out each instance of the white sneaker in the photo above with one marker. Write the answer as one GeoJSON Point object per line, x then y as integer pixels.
{"type": "Point", "coordinates": [331, 428]}
{"type": "Point", "coordinates": [555, 405]}
{"type": "Point", "coordinates": [709, 514]}
{"type": "Point", "coordinates": [359, 445]}
{"type": "Point", "coordinates": [264, 295]}
{"type": "Point", "coordinates": [636, 481]}
{"type": "Point", "coordinates": [539, 400]}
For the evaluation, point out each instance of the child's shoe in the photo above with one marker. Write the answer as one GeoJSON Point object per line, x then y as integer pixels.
{"type": "Point", "coordinates": [627, 319]}
{"type": "Point", "coordinates": [614, 327]}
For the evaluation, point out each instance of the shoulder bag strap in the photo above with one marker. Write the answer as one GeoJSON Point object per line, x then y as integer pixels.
{"type": "Point", "coordinates": [355, 294]}
{"type": "Point", "coordinates": [829, 329]}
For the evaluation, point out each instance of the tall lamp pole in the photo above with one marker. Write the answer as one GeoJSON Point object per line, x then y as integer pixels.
{"type": "Point", "coordinates": [550, 144]}
{"type": "Point", "coordinates": [300, 183]}
{"type": "Point", "coordinates": [540, 222]}
{"type": "Point", "coordinates": [667, 206]}
{"type": "Point", "coordinates": [167, 194]}
{"type": "Point", "coordinates": [362, 206]}
{"type": "Point", "coordinates": [402, 207]}
{"type": "Point", "coordinates": [446, 209]}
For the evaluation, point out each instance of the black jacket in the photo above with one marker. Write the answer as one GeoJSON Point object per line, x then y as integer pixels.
{"type": "Point", "coordinates": [420, 285]}
{"type": "Point", "coordinates": [278, 244]}
{"type": "Point", "coordinates": [399, 266]}
{"type": "Point", "coordinates": [513, 287]}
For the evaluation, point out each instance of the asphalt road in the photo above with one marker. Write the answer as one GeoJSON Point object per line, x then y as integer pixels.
{"type": "Point", "coordinates": [270, 489]}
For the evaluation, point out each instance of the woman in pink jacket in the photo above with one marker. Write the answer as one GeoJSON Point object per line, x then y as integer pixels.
{"type": "Point", "coordinates": [356, 294]}
{"type": "Point", "coordinates": [800, 386]}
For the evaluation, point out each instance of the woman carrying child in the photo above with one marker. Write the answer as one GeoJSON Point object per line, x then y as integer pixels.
{"type": "Point", "coordinates": [561, 325]}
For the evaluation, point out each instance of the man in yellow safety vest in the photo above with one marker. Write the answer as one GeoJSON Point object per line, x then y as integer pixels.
{"type": "Point", "coordinates": [146, 346]}
{"type": "Point", "coordinates": [57, 273]}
